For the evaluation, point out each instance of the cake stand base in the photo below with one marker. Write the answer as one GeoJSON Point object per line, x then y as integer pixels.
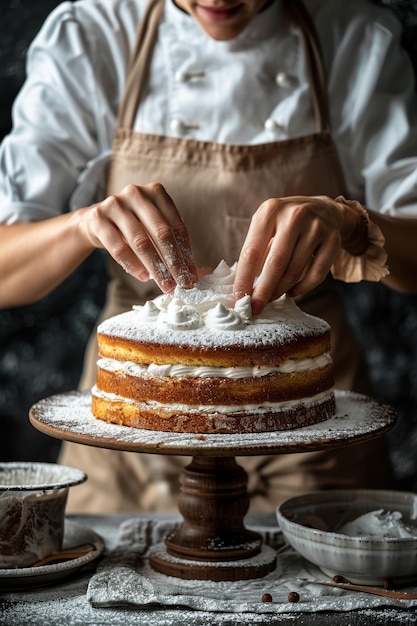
{"type": "Point", "coordinates": [244, 569]}
{"type": "Point", "coordinates": [212, 543]}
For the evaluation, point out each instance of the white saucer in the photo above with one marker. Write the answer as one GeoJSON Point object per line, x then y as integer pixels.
{"type": "Point", "coordinates": [74, 535]}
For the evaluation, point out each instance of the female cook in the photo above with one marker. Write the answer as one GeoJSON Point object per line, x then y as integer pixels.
{"type": "Point", "coordinates": [235, 133]}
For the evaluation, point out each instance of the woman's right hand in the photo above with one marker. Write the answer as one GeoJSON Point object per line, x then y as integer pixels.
{"type": "Point", "coordinates": [143, 231]}
{"type": "Point", "coordinates": [140, 227]}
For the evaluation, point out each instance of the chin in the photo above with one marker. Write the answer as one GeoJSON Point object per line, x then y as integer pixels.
{"type": "Point", "coordinates": [221, 33]}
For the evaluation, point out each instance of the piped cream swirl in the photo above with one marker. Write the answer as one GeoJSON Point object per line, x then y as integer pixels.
{"type": "Point", "coordinates": [182, 316]}
{"type": "Point", "coordinates": [221, 318]}
{"type": "Point", "coordinates": [149, 312]}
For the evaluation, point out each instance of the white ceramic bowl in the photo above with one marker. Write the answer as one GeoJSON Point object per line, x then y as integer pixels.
{"type": "Point", "coordinates": [33, 498]}
{"type": "Point", "coordinates": [310, 522]}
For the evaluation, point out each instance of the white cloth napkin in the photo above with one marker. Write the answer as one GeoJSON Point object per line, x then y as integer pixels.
{"type": "Point", "coordinates": [124, 578]}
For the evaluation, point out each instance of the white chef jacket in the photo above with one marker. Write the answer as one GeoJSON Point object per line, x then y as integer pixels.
{"type": "Point", "coordinates": [250, 90]}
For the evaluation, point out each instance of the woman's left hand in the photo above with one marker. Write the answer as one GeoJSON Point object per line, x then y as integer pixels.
{"type": "Point", "coordinates": [290, 247]}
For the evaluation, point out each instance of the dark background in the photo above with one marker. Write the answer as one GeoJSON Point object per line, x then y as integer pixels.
{"type": "Point", "coordinates": [42, 345]}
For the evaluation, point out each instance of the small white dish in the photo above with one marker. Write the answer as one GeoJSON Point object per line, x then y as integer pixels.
{"type": "Point", "coordinates": [36, 476]}
{"type": "Point", "coordinates": [31, 577]}
{"type": "Point", "coordinates": [310, 525]}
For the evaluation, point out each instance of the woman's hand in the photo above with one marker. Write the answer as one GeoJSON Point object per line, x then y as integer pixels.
{"type": "Point", "coordinates": [291, 244]}
{"type": "Point", "coordinates": [140, 227]}
{"type": "Point", "coordinates": [142, 230]}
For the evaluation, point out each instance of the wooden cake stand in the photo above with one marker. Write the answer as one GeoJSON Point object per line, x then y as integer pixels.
{"type": "Point", "coordinates": [212, 542]}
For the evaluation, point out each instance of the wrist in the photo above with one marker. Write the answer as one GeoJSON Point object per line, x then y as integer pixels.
{"type": "Point", "coordinates": [80, 228]}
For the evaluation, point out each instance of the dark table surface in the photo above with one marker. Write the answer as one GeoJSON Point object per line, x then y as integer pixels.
{"type": "Point", "coordinates": [65, 602]}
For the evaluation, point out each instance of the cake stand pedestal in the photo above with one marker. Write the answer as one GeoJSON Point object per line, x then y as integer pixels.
{"type": "Point", "coordinates": [213, 543]}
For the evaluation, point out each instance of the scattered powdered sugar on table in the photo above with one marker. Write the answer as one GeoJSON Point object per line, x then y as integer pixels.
{"type": "Point", "coordinates": [71, 602]}
{"type": "Point", "coordinates": [126, 579]}
{"type": "Point", "coordinates": [68, 416]}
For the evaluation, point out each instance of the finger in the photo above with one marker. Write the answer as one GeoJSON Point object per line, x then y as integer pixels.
{"type": "Point", "coordinates": [281, 271]}
{"type": "Point", "coordinates": [121, 233]}
{"type": "Point", "coordinates": [162, 221]}
{"type": "Point", "coordinates": [319, 267]}
{"type": "Point", "coordinates": [144, 266]}
{"type": "Point", "coordinates": [311, 233]}
{"type": "Point", "coordinates": [255, 248]}
{"type": "Point", "coordinates": [289, 258]}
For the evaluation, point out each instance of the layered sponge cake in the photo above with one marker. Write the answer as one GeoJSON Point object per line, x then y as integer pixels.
{"type": "Point", "coordinates": [197, 361]}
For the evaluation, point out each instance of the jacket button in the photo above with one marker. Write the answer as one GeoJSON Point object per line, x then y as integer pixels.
{"type": "Point", "coordinates": [181, 76]}
{"type": "Point", "coordinates": [272, 126]}
{"type": "Point", "coordinates": [177, 127]}
{"type": "Point", "coordinates": [282, 80]}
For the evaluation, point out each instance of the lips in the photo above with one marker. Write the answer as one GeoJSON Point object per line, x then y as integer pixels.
{"type": "Point", "coordinates": [219, 12]}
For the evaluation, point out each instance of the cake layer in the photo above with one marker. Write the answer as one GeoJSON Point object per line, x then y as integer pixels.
{"type": "Point", "coordinates": [205, 326]}
{"type": "Point", "coordinates": [216, 353]}
{"type": "Point", "coordinates": [250, 419]}
{"type": "Point", "coordinates": [212, 390]}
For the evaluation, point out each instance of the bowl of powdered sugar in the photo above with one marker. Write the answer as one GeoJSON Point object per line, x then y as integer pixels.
{"type": "Point", "coordinates": [368, 537]}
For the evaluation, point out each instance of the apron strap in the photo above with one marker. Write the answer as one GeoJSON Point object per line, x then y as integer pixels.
{"type": "Point", "coordinates": [318, 86]}
{"type": "Point", "coordinates": [139, 63]}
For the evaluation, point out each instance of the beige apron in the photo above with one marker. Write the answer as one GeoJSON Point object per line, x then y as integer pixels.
{"type": "Point", "coordinates": [217, 188]}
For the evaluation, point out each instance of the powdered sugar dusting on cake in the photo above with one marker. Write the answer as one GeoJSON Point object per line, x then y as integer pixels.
{"type": "Point", "coordinates": [208, 315]}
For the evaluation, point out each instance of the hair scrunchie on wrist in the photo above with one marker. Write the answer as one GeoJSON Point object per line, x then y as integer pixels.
{"type": "Point", "coordinates": [370, 264]}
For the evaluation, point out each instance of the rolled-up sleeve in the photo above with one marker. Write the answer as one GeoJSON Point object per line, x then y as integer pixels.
{"type": "Point", "coordinates": [63, 118]}
{"type": "Point", "coordinates": [373, 99]}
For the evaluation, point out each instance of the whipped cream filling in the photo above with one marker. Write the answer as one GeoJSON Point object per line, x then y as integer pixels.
{"type": "Point", "coordinates": [212, 408]}
{"type": "Point", "coordinates": [193, 371]}
{"type": "Point", "coordinates": [380, 523]}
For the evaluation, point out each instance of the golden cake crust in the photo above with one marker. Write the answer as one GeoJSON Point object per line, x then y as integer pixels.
{"type": "Point", "coordinates": [139, 415]}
